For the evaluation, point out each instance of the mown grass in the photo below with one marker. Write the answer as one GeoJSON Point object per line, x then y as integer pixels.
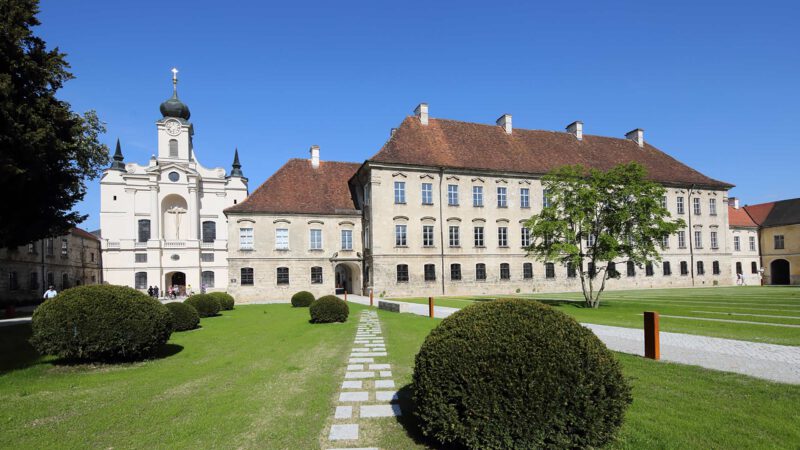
{"type": "Point", "coordinates": [734, 305]}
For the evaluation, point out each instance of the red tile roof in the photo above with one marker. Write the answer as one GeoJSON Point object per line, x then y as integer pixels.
{"type": "Point", "coordinates": [463, 145]}
{"type": "Point", "coordinates": [759, 212]}
{"type": "Point", "coordinates": [299, 188]}
{"type": "Point", "coordinates": [740, 218]}
{"type": "Point", "coordinates": [83, 233]}
{"type": "Point", "coordinates": [773, 214]}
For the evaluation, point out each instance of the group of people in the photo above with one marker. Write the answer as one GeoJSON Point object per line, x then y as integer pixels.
{"type": "Point", "coordinates": [172, 292]}
{"type": "Point", "coordinates": [152, 291]}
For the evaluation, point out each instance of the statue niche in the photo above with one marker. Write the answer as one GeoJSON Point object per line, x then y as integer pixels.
{"type": "Point", "coordinates": [174, 217]}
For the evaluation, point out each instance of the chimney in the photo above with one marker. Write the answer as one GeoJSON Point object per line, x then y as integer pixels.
{"type": "Point", "coordinates": [314, 156]}
{"type": "Point", "coordinates": [637, 136]}
{"type": "Point", "coordinates": [576, 129]}
{"type": "Point", "coordinates": [505, 122]}
{"type": "Point", "coordinates": [422, 113]}
{"type": "Point", "coordinates": [733, 202]}
{"type": "Point", "coordinates": [391, 133]}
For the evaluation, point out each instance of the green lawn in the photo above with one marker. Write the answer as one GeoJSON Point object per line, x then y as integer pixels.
{"type": "Point", "coordinates": [766, 306]}
{"type": "Point", "coordinates": [263, 377]}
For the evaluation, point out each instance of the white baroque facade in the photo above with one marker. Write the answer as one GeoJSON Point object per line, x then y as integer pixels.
{"type": "Point", "coordinates": [162, 223]}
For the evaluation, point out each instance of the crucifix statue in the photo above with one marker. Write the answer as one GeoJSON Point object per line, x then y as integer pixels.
{"type": "Point", "coordinates": [177, 211]}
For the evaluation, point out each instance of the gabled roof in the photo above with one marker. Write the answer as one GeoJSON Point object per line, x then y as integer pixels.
{"type": "Point", "coordinates": [463, 145]}
{"type": "Point", "coordinates": [773, 214]}
{"type": "Point", "coordinates": [740, 218]}
{"type": "Point", "coordinates": [301, 189]}
{"type": "Point", "coordinates": [75, 231]}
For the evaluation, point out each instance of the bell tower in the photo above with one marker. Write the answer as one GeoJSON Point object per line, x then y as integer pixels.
{"type": "Point", "coordinates": [174, 129]}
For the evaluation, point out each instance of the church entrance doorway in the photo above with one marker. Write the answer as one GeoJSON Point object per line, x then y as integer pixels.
{"type": "Point", "coordinates": [779, 271]}
{"type": "Point", "coordinates": [175, 281]}
{"type": "Point", "coordinates": [346, 278]}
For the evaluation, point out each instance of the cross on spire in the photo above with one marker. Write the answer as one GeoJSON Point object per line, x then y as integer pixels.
{"type": "Point", "coordinates": [175, 81]}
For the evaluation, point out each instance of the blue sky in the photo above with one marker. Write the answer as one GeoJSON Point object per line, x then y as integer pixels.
{"type": "Point", "coordinates": [714, 84]}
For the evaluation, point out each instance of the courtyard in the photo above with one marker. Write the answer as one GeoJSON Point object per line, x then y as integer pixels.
{"type": "Point", "coordinates": [261, 376]}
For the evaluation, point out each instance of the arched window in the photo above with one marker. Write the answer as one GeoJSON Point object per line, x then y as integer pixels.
{"type": "Point", "coordinates": [246, 276]}
{"type": "Point", "coordinates": [316, 275]}
{"type": "Point", "coordinates": [283, 275]}
{"type": "Point", "coordinates": [173, 148]}
{"type": "Point", "coordinates": [207, 279]}
{"type": "Point", "coordinates": [209, 231]}
{"type": "Point", "coordinates": [141, 280]}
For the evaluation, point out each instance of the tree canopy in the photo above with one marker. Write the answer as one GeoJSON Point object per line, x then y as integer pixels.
{"type": "Point", "coordinates": [47, 151]}
{"type": "Point", "coordinates": [595, 218]}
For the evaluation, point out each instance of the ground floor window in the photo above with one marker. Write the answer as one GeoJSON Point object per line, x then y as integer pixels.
{"type": "Point", "coordinates": [684, 268]}
{"type": "Point", "coordinates": [283, 275]}
{"type": "Point", "coordinates": [402, 273]}
{"type": "Point", "coordinates": [207, 279]}
{"type": "Point", "coordinates": [753, 267]}
{"type": "Point", "coordinates": [505, 271]}
{"type": "Point", "coordinates": [549, 270]}
{"type": "Point", "coordinates": [140, 280]}
{"type": "Point", "coordinates": [612, 269]}
{"type": "Point", "coordinates": [455, 272]}
{"type": "Point", "coordinates": [51, 279]}
{"type": "Point", "coordinates": [571, 273]}
{"type": "Point", "coordinates": [430, 272]}
{"type": "Point", "coordinates": [527, 271]}
{"type": "Point", "coordinates": [247, 276]}
{"type": "Point", "coordinates": [33, 282]}
{"type": "Point", "coordinates": [715, 267]}
{"type": "Point", "coordinates": [738, 268]}
{"type": "Point", "coordinates": [13, 281]}
{"type": "Point", "coordinates": [700, 269]}
{"type": "Point", "coordinates": [631, 269]}
{"type": "Point", "coordinates": [648, 269]}
{"type": "Point", "coordinates": [316, 275]}
{"type": "Point", "coordinates": [667, 268]}
{"type": "Point", "coordinates": [480, 271]}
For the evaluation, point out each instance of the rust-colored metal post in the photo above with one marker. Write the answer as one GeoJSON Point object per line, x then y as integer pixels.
{"type": "Point", "coordinates": [652, 346]}
{"type": "Point", "coordinates": [345, 295]}
{"type": "Point", "coordinates": [430, 307]}
{"type": "Point", "coordinates": [371, 301]}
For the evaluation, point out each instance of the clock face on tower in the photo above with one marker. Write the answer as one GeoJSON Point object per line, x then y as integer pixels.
{"type": "Point", "coordinates": [173, 127]}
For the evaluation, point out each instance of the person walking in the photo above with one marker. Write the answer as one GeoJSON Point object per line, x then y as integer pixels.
{"type": "Point", "coordinates": [150, 291]}
{"type": "Point", "coordinates": [50, 292]}
{"type": "Point", "coordinates": [155, 291]}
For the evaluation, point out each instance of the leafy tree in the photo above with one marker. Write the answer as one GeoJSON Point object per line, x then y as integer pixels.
{"type": "Point", "coordinates": [46, 149]}
{"type": "Point", "coordinates": [594, 218]}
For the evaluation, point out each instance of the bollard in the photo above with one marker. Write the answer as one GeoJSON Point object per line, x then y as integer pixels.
{"type": "Point", "coordinates": [345, 295]}
{"type": "Point", "coordinates": [652, 346]}
{"type": "Point", "coordinates": [371, 301]}
{"type": "Point", "coordinates": [430, 307]}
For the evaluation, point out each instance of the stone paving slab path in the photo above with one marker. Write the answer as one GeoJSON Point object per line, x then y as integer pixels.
{"type": "Point", "coordinates": [767, 361]}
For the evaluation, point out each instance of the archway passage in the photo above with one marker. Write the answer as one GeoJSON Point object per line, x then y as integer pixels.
{"type": "Point", "coordinates": [779, 271]}
{"type": "Point", "coordinates": [175, 280]}
{"type": "Point", "coordinates": [346, 278]}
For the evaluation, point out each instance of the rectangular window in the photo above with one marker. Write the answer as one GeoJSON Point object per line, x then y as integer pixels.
{"type": "Point", "coordinates": [681, 239]}
{"type": "Point", "coordinates": [590, 240]}
{"type": "Point", "coordinates": [455, 240]}
{"type": "Point", "coordinates": [283, 275]}
{"type": "Point", "coordinates": [736, 246]}
{"type": "Point", "coordinates": [427, 193]}
{"type": "Point", "coordinates": [700, 269]}
{"type": "Point", "coordinates": [49, 244]}
{"type": "Point", "coordinates": [399, 192]}
{"type": "Point", "coordinates": [684, 268]}
{"type": "Point", "coordinates": [752, 243]}
{"type": "Point", "coordinates": [712, 206]}
{"type": "Point", "coordinates": [631, 269]}
{"type": "Point", "coordinates": [505, 271]}
{"type": "Point", "coordinates": [480, 271]}
{"type": "Point", "coordinates": [477, 196]}
{"type": "Point", "coordinates": [282, 238]}
{"type": "Point", "coordinates": [502, 236]}
{"type": "Point", "coordinates": [778, 239]}
{"type": "Point", "coordinates": [427, 236]}
{"type": "Point", "coordinates": [501, 197]}
{"type": "Point", "coordinates": [430, 272]}
{"type": "Point", "coordinates": [571, 273]}
{"type": "Point", "coordinates": [144, 230]}
{"type": "Point", "coordinates": [455, 272]}
{"type": "Point", "coordinates": [400, 236]}
{"type": "Point", "coordinates": [549, 270]}
{"type": "Point", "coordinates": [347, 239]}
{"type": "Point", "coordinates": [753, 267]}
{"type": "Point", "coordinates": [715, 267]}
{"type": "Point", "coordinates": [452, 194]}
{"type": "Point", "coordinates": [696, 205]}
{"type": "Point", "coordinates": [245, 238]}
{"type": "Point", "coordinates": [478, 236]}
{"type": "Point", "coordinates": [664, 202]}
{"type": "Point", "coordinates": [246, 276]}
{"type": "Point", "coordinates": [316, 275]}
{"type": "Point", "coordinates": [64, 247]}
{"type": "Point", "coordinates": [545, 198]}
{"type": "Point", "coordinates": [141, 257]}
{"type": "Point", "coordinates": [33, 281]}
{"type": "Point", "coordinates": [207, 279]}
{"type": "Point", "coordinates": [714, 242]}
{"type": "Point", "coordinates": [366, 236]}
{"type": "Point", "coordinates": [648, 269]}
{"type": "Point", "coordinates": [680, 205]}
{"type": "Point", "coordinates": [667, 268]}
{"type": "Point", "coordinates": [525, 234]}
{"type": "Point", "coordinates": [31, 248]}
{"type": "Point", "coordinates": [665, 242]}
{"type": "Point", "coordinates": [524, 198]}
{"type": "Point", "coordinates": [207, 257]}
{"type": "Point", "coordinates": [698, 239]}
{"type": "Point", "coordinates": [527, 271]}
{"type": "Point", "coordinates": [402, 273]}
{"type": "Point", "coordinates": [140, 280]}
{"type": "Point", "coordinates": [209, 231]}
{"type": "Point", "coordinates": [315, 239]}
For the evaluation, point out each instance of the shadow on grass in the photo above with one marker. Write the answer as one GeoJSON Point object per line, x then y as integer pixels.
{"type": "Point", "coordinates": [411, 424]}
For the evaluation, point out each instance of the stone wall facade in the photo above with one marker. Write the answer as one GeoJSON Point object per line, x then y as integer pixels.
{"type": "Point", "coordinates": [790, 253]}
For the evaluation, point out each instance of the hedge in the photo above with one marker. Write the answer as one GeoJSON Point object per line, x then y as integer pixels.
{"type": "Point", "coordinates": [205, 304]}
{"type": "Point", "coordinates": [184, 317]}
{"type": "Point", "coordinates": [302, 299]}
{"type": "Point", "coordinates": [327, 309]}
{"type": "Point", "coordinates": [225, 300]}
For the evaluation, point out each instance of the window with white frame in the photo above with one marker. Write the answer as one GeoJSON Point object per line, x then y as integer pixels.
{"type": "Point", "coordinates": [347, 239]}
{"type": "Point", "coordinates": [477, 196]}
{"type": "Point", "coordinates": [664, 202]}
{"type": "Point", "coordinates": [665, 242]}
{"type": "Point", "coordinates": [315, 239]}
{"type": "Point", "coordinates": [679, 204]}
{"type": "Point", "coordinates": [399, 192]}
{"type": "Point", "coordinates": [712, 206]}
{"type": "Point", "coordinates": [545, 199]}
{"type": "Point", "coordinates": [316, 275]}
{"type": "Point", "coordinates": [452, 194]}
{"type": "Point", "coordinates": [590, 240]}
{"type": "Point", "coordinates": [696, 205]}
{"type": "Point", "coordinates": [752, 243]}
{"type": "Point", "coordinates": [525, 234]}
{"type": "Point", "coordinates": [698, 239]}
{"type": "Point", "coordinates": [427, 193]}
{"type": "Point", "coordinates": [207, 278]}
{"type": "Point", "coordinates": [681, 239]}
{"type": "Point", "coordinates": [282, 238]}
{"type": "Point", "coordinates": [480, 271]}
{"type": "Point", "coordinates": [527, 271]}
{"type": "Point", "coordinates": [524, 198]}
{"type": "Point", "coordinates": [736, 245]}
{"type": "Point", "coordinates": [246, 238]}
{"type": "Point", "coordinates": [502, 236]}
{"type": "Point", "coordinates": [478, 232]}
{"type": "Point", "coordinates": [400, 235]}
{"type": "Point", "coordinates": [455, 240]}
{"type": "Point", "coordinates": [714, 240]}
{"type": "Point", "coordinates": [455, 272]}
{"type": "Point", "coordinates": [502, 200]}
{"type": "Point", "coordinates": [427, 235]}
{"type": "Point", "coordinates": [778, 241]}
{"type": "Point", "coordinates": [505, 271]}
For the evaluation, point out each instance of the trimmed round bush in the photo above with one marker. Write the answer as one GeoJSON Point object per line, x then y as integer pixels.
{"type": "Point", "coordinates": [225, 300]}
{"type": "Point", "coordinates": [205, 304]}
{"type": "Point", "coordinates": [327, 309]}
{"type": "Point", "coordinates": [302, 299]}
{"type": "Point", "coordinates": [184, 317]}
{"type": "Point", "coordinates": [517, 374]}
{"type": "Point", "coordinates": [100, 323]}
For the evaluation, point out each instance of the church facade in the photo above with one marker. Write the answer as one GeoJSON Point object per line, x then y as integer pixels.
{"type": "Point", "coordinates": [439, 210]}
{"type": "Point", "coordinates": [162, 223]}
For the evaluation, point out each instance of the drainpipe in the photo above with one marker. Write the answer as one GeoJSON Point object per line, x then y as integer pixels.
{"type": "Point", "coordinates": [691, 233]}
{"type": "Point", "coordinates": [441, 225]}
